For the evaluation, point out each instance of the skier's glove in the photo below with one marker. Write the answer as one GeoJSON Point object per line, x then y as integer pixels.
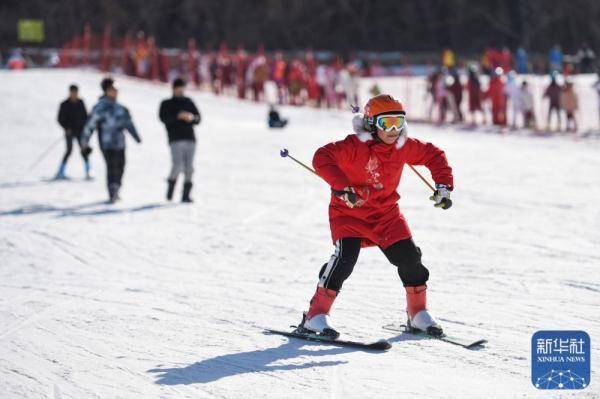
{"type": "Point", "coordinates": [352, 197]}
{"type": "Point", "coordinates": [441, 196]}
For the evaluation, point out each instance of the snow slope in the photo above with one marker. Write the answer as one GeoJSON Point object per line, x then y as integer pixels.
{"type": "Point", "coordinates": [149, 299]}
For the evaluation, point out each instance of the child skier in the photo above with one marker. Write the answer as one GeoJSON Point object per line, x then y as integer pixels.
{"type": "Point", "coordinates": [364, 172]}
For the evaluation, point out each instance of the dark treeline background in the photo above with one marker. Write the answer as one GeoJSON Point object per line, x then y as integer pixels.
{"type": "Point", "coordinates": [341, 25]}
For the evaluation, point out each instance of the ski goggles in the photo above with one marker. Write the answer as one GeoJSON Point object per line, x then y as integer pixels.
{"type": "Point", "coordinates": [389, 122]}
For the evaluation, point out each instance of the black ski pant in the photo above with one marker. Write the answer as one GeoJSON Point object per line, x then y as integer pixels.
{"type": "Point", "coordinates": [115, 164]}
{"type": "Point", "coordinates": [69, 137]}
{"type": "Point", "coordinates": [404, 254]}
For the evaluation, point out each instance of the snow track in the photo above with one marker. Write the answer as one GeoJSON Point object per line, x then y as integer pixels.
{"type": "Point", "coordinates": [150, 299]}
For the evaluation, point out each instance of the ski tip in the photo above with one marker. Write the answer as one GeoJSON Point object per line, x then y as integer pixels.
{"type": "Point", "coordinates": [477, 344]}
{"type": "Point", "coordinates": [382, 344]}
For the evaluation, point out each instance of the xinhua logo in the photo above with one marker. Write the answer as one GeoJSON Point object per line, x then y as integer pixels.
{"type": "Point", "coordinates": [560, 359]}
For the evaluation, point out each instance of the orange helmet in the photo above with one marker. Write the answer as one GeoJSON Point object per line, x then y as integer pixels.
{"type": "Point", "coordinates": [379, 105]}
{"type": "Point", "coordinates": [383, 104]}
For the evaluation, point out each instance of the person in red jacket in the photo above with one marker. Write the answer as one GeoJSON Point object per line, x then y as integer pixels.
{"type": "Point", "coordinates": [497, 97]}
{"type": "Point", "coordinates": [364, 172]}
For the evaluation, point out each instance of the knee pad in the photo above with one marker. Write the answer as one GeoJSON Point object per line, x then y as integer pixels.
{"type": "Point", "coordinates": [411, 270]}
{"type": "Point", "coordinates": [407, 257]}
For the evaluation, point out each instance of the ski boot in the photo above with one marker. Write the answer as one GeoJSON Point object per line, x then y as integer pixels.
{"type": "Point", "coordinates": [113, 192]}
{"type": "Point", "coordinates": [418, 316]}
{"type": "Point", "coordinates": [424, 322]}
{"type": "Point", "coordinates": [88, 172]}
{"type": "Point", "coordinates": [317, 319]}
{"type": "Point", "coordinates": [187, 188]}
{"type": "Point", "coordinates": [60, 175]}
{"type": "Point", "coordinates": [170, 188]}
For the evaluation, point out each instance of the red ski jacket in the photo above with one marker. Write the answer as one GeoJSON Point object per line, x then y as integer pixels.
{"type": "Point", "coordinates": [374, 168]}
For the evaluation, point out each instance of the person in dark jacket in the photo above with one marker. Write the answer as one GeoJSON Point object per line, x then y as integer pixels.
{"type": "Point", "coordinates": [456, 90]}
{"type": "Point", "coordinates": [110, 118]}
{"type": "Point", "coordinates": [553, 92]}
{"type": "Point", "coordinates": [179, 114]}
{"type": "Point", "coordinates": [72, 116]}
{"type": "Point", "coordinates": [275, 120]}
{"type": "Point", "coordinates": [475, 95]}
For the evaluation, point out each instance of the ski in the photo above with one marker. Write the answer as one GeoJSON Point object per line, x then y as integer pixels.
{"type": "Point", "coordinates": [463, 342]}
{"type": "Point", "coordinates": [377, 345]}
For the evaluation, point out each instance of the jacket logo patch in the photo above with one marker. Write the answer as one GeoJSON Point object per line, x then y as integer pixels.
{"type": "Point", "coordinates": [372, 173]}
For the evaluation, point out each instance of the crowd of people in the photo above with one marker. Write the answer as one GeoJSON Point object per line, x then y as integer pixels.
{"type": "Point", "coordinates": [332, 82]}
{"type": "Point", "coordinates": [493, 88]}
{"type": "Point", "coordinates": [506, 96]}
{"type": "Point", "coordinates": [110, 119]}
{"type": "Point", "coordinates": [582, 61]}
{"type": "Point", "coordinates": [494, 85]}
{"type": "Point", "coordinates": [321, 79]}
{"type": "Point", "coordinates": [296, 80]}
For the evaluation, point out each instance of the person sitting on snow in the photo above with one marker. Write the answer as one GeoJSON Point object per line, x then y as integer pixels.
{"type": "Point", "coordinates": [275, 120]}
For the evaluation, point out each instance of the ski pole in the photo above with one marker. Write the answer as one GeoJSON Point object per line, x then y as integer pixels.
{"type": "Point", "coordinates": [422, 178]}
{"type": "Point", "coordinates": [446, 202]}
{"type": "Point", "coordinates": [285, 153]}
{"type": "Point", "coordinates": [39, 159]}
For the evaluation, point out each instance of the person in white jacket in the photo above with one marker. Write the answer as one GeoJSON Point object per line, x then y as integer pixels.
{"type": "Point", "coordinates": [514, 94]}
{"type": "Point", "coordinates": [527, 107]}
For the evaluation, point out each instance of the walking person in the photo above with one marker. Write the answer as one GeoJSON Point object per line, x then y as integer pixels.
{"type": "Point", "coordinates": [179, 114]}
{"type": "Point", "coordinates": [110, 119]}
{"type": "Point", "coordinates": [72, 116]}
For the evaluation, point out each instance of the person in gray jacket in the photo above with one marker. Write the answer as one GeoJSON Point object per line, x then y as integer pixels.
{"type": "Point", "coordinates": [110, 119]}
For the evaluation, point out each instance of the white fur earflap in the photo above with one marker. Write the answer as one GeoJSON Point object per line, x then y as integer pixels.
{"type": "Point", "coordinates": [358, 126]}
{"type": "Point", "coordinates": [403, 136]}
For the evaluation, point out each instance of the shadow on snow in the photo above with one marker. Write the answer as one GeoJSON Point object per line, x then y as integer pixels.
{"type": "Point", "coordinates": [80, 210]}
{"type": "Point", "coordinates": [258, 361]}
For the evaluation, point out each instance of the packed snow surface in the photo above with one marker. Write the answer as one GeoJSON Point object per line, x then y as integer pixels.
{"type": "Point", "coordinates": [147, 299]}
